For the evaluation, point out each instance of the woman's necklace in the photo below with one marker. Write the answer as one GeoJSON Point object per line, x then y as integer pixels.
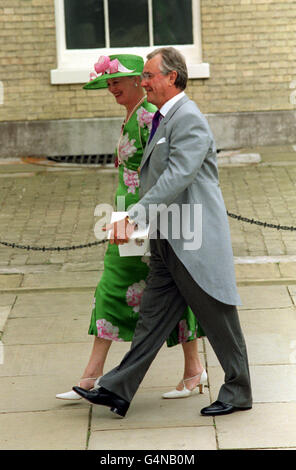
{"type": "Point", "coordinates": [118, 160]}
{"type": "Point", "coordinates": [129, 115]}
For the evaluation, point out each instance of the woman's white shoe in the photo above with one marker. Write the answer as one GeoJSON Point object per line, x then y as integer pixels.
{"type": "Point", "coordinates": [185, 392]}
{"type": "Point", "coordinates": [73, 395]}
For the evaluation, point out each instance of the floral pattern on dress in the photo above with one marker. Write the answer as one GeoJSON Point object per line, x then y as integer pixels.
{"type": "Point", "coordinates": [107, 331]}
{"type": "Point", "coordinates": [184, 333]}
{"type": "Point", "coordinates": [144, 117]}
{"type": "Point", "coordinates": [131, 180]}
{"type": "Point", "coordinates": [134, 295]}
{"type": "Point", "coordinates": [126, 148]}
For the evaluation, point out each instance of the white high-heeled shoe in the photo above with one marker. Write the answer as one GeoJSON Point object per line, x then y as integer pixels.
{"type": "Point", "coordinates": [73, 395]}
{"type": "Point", "coordinates": [185, 392]}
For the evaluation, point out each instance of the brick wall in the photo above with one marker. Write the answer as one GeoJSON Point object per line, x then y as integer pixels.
{"type": "Point", "coordinates": [250, 45]}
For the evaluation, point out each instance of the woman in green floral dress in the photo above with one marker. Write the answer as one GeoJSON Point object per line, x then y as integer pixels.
{"type": "Point", "coordinates": [118, 294]}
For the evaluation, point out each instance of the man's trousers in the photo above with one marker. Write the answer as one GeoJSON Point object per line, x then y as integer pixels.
{"type": "Point", "coordinates": [169, 290]}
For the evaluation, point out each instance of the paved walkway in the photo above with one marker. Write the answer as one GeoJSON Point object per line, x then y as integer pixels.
{"type": "Point", "coordinates": [45, 303]}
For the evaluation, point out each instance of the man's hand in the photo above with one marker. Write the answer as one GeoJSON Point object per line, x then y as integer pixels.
{"type": "Point", "coordinates": [121, 231]}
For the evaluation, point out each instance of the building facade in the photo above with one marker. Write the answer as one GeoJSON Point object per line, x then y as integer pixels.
{"type": "Point", "coordinates": [240, 55]}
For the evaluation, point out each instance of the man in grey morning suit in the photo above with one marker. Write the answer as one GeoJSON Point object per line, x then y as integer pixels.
{"type": "Point", "coordinates": [179, 168]}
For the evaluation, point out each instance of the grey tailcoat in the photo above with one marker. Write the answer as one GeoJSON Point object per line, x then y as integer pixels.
{"type": "Point", "coordinates": [179, 166]}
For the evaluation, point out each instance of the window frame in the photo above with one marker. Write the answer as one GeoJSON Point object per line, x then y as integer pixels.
{"type": "Point", "coordinates": [74, 65]}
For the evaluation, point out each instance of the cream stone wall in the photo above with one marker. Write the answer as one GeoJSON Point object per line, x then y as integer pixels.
{"type": "Point", "coordinates": [251, 47]}
{"type": "Point", "coordinates": [249, 44]}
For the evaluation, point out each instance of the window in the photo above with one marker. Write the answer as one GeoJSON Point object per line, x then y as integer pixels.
{"type": "Point", "coordinates": [147, 24]}
{"type": "Point", "coordinates": [87, 29]}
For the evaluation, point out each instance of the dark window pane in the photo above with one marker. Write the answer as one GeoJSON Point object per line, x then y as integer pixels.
{"type": "Point", "coordinates": [85, 27]}
{"type": "Point", "coordinates": [128, 23]}
{"type": "Point", "coordinates": [172, 22]}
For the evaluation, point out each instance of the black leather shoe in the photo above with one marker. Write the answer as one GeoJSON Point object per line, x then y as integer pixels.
{"type": "Point", "coordinates": [219, 408]}
{"type": "Point", "coordinates": [101, 396]}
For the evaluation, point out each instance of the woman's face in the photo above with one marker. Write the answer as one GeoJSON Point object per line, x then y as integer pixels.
{"type": "Point", "coordinates": [123, 89]}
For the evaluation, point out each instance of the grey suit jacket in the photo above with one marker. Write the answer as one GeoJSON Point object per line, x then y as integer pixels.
{"type": "Point", "coordinates": [179, 169]}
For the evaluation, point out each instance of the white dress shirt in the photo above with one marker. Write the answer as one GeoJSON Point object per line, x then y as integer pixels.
{"type": "Point", "coordinates": [169, 104]}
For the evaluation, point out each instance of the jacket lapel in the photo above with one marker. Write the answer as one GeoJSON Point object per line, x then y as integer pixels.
{"type": "Point", "coordinates": [150, 146]}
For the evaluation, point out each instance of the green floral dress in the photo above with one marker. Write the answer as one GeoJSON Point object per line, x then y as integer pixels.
{"type": "Point", "coordinates": [118, 294]}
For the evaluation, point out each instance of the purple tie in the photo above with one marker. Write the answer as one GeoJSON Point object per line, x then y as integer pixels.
{"type": "Point", "coordinates": [155, 123]}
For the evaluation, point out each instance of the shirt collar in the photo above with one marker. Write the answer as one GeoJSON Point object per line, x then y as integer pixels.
{"type": "Point", "coordinates": [169, 104]}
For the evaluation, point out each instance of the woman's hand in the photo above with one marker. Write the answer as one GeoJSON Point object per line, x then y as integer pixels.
{"type": "Point", "coordinates": [121, 231]}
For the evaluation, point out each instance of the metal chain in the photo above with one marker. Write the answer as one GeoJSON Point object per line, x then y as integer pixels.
{"type": "Point", "coordinates": [53, 248]}
{"type": "Point", "coordinates": [262, 224]}
{"type": "Point", "coordinates": [89, 245]}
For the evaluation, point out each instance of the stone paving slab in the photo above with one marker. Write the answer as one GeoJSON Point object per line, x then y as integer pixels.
{"type": "Point", "coordinates": [10, 281]}
{"type": "Point", "coordinates": [36, 393]}
{"type": "Point", "coordinates": [7, 299]}
{"type": "Point", "coordinates": [6, 304]}
{"type": "Point", "coordinates": [50, 329]}
{"type": "Point", "coordinates": [32, 268]}
{"type": "Point", "coordinates": [149, 410]}
{"type": "Point", "coordinates": [63, 280]}
{"type": "Point", "coordinates": [50, 430]}
{"type": "Point", "coordinates": [56, 379]}
{"type": "Point", "coordinates": [269, 150]}
{"type": "Point", "coordinates": [258, 297]}
{"type": "Point", "coordinates": [16, 166]}
{"type": "Point", "coordinates": [45, 359]}
{"type": "Point", "coordinates": [263, 377]}
{"type": "Point", "coordinates": [292, 292]}
{"type": "Point", "coordinates": [270, 335]}
{"type": "Point", "coordinates": [69, 359]}
{"type": "Point", "coordinates": [288, 270]}
{"type": "Point", "coordinates": [270, 383]}
{"type": "Point", "coordinates": [273, 157]}
{"type": "Point", "coordinates": [188, 438]}
{"type": "Point", "coordinates": [267, 425]}
{"type": "Point", "coordinates": [97, 265]}
{"type": "Point", "coordinates": [257, 271]}
{"type": "Point", "coordinates": [4, 313]}
{"type": "Point", "coordinates": [43, 304]}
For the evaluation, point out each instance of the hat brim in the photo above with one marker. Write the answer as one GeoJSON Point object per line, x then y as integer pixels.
{"type": "Point", "coordinates": [101, 81]}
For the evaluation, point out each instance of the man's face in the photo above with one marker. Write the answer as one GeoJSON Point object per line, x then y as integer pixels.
{"type": "Point", "coordinates": [156, 84]}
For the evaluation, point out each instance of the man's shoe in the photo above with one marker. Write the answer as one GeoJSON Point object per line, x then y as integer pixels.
{"type": "Point", "coordinates": [219, 408]}
{"type": "Point", "coordinates": [101, 396]}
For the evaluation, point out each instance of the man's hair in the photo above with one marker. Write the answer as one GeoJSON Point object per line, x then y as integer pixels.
{"type": "Point", "coordinates": [172, 60]}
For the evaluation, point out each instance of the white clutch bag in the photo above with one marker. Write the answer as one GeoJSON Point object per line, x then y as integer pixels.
{"type": "Point", "coordinates": [138, 244]}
